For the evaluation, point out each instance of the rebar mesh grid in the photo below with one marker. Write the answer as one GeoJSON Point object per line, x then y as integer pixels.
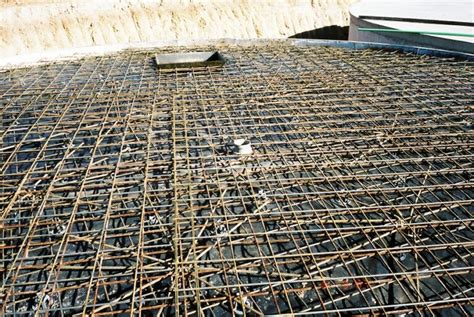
{"type": "Point", "coordinates": [122, 195]}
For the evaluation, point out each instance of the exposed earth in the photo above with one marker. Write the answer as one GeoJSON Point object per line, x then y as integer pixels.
{"type": "Point", "coordinates": [38, 26]}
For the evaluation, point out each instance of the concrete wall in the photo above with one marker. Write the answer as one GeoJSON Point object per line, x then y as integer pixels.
{"type": "Point", "coordinates": [445, 17]}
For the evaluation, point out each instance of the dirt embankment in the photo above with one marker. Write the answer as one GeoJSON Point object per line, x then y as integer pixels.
{"type": "Point", "coordinates": [29, 26]}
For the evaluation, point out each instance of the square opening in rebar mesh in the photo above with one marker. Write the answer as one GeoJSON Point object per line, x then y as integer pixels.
{"type": "Point", "coordinates": [188, 60]}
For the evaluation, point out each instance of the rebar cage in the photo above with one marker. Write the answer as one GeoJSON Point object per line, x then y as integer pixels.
{"type": "Point", "coordinates": [122, 193]}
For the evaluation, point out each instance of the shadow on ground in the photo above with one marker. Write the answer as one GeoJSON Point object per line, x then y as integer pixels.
{"type": "Point", "coordinates": [333, 32]}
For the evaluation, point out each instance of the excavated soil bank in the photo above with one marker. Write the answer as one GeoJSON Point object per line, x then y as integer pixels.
{"type": "Point", "coordinates": [30, 26]}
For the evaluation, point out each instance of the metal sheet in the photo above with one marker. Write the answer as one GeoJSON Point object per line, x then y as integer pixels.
{"type": "Point", "coordinates": [191, 59]}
